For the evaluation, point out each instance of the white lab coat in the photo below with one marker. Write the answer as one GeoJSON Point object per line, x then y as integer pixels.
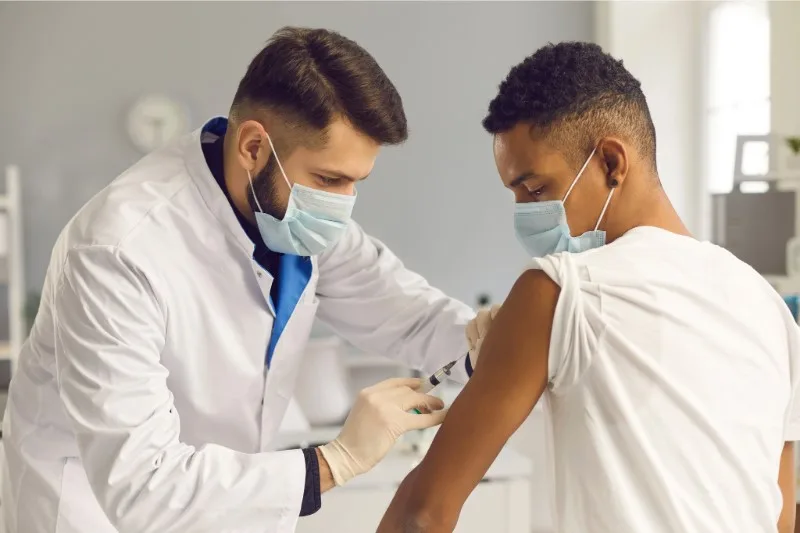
{"type": "Point", "coordinates": [141, 402]}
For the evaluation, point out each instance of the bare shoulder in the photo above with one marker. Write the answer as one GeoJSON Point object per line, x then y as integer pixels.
{"type": "Point", "coordinates": [534, 292]}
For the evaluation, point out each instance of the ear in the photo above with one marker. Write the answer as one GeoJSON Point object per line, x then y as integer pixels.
{"type": "Point", "coordinates": [614, 157]}
{"type": "Point", "coordinates": [252, 148]}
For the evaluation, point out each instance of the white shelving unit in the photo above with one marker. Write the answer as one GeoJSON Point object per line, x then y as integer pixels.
{"type": "Point", "coordinates": [12, 272]}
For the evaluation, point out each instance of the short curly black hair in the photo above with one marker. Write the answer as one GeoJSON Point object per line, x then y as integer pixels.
{"type": "Point", "coordinates": [577, 93]}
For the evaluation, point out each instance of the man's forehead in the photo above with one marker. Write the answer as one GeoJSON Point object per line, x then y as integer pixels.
{"type": "Point", "coordinates": [337, 163]}
{"type": "Point", "coordinates": [347, 153]}
{"type": "Point", "coordinates": [518, 147]}
{"type": "Point", "coordinates": [520, 154]}
{"type": "Point", "coordinates": [522, 140]}
{"type": "Point", "coordinates": [515, 137]}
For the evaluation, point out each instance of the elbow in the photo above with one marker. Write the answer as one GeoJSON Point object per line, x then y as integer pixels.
{"type": "Point", "coordinates": [414, 510]}
{"type": "Point", "coordinates": [406, 519]}
{"type": "Point", "coordinates": [424, 520]}
{"type": "Point", "coordinates": [425, 513]}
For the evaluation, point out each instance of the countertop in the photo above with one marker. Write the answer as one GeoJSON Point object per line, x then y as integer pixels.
{"type": "Point", "coordinates": [394, 468]}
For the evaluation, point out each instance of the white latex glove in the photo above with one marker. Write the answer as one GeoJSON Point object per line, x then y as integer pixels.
{"type": "Point", "coordinates": [477, 330]}
{"type": "Point", "coordinates": [378, 418]}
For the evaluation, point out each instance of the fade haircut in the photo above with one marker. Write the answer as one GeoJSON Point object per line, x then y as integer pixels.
{"type": "Point", "coordinates": [574, 94]}
{"type": "Point", "coordinates": [310, 77]}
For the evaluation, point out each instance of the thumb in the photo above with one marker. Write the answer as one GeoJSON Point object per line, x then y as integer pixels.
{"type": "Point", "coordinates": [424, 421]}
{"type": "Point", "coordinates": [484, 320]}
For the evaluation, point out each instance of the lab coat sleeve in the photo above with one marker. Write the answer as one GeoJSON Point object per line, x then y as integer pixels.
{"type": "Point", "coordinates": [368, 297]}
{"type": "Point", "coordinates": [791, 432]}
{"type": "Point", "coordinates": [110, 330]}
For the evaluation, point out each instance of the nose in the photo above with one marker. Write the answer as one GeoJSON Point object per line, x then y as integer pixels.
{"type": "Point", "coordinates": [522, 196]}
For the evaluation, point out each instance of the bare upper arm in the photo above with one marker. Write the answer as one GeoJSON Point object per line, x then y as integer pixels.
{"type": "Point", "coordinates": [501, 393]}
{"type": "Point", "coordinates": [786, 481]}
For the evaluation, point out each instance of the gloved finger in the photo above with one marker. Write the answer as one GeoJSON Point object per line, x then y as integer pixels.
{"type": "Point", "coordinates": [424, 421]}
{"type": "Point", "coordinates": [417, 400]}
{"type": "Point", "coordinates": [475, 353]}
{"type": "Point", "coordinates": [396, 383]}
{"type": "Point", "coordinates": [472, 332]}
{"type": "Point", "coordinates": [483, 320]}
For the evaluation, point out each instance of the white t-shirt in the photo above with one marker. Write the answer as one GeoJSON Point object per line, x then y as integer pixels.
{"type": "Point", "coordinates": [673, 370]}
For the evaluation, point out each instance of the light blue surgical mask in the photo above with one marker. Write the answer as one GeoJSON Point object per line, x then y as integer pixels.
{"type": "Point", "coordinates": [313, 222]}
{"type": "Point", "coordinates": [542, 228]}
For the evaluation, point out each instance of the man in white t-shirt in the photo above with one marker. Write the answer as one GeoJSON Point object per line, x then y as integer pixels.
{"type": "Point", "coordinates": [668, 367]}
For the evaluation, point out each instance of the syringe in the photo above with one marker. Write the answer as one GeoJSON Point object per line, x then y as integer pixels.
{"type": "Point", "coordinates": [435, 379]}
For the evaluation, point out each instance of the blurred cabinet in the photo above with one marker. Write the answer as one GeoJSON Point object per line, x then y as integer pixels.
{"type": "Point", "coordinates": [530, 441]}
{"type": "Point", "coordinates": [499, 504]}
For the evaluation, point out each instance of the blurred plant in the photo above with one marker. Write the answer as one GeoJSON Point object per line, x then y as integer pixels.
{"type": "Point", "coordinates": [31, 308]}
{"type": "Point", "coordinates": [794, 144]}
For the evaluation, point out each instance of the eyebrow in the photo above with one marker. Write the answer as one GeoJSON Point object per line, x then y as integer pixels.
{"type": "Point", "coordinates": [339, 175]}
{"type": "Point", "coordinates": [523, 178]}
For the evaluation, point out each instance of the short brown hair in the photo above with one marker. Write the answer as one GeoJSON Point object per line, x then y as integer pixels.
{"type": "Point", "coordinates": [311, 76]}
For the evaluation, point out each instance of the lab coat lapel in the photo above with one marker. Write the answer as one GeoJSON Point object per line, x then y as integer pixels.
{"type": "Point", "coordinates": [220, 207]}
{"type": "Point", "coordinates": [210, 191]}
{"type": "Point", "coordinates": [288, 342]}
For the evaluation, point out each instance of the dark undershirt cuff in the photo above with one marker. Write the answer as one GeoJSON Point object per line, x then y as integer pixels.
{"type": "Point", "coordinates": [312, 500]}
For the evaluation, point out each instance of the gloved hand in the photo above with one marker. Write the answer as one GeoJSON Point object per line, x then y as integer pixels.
{"type": "Point", "coordinates": [477, 330]}
{"type": "Point", "coordinates": [378, 418]}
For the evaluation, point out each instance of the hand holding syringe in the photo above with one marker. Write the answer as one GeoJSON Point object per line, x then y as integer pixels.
{"type": "Point", "coordinates": [435, 379]}
{"type": "Point", "coordinates": [476, 331]}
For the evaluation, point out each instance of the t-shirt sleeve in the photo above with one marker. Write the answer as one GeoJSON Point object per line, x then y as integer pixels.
{"type": "Point", "coordinates": [791, 430]}
{"type": "Point", "coordinates": [574, 337]}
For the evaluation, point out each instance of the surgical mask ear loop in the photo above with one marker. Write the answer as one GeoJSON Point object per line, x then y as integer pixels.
{"type": "Point", "coordinates": [603, 212]}
{"type": "Point", "coordinates": [275, 154]}
{"type": "Point", "coordinates": [580, 173]}
{"type": "Point", "coordinates": [250, 177]}
{"type": "Point", "coordinates": [255, 197]}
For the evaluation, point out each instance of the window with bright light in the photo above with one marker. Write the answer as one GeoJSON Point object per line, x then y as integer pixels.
{"type": "Point", "coordinates": [738, 87]}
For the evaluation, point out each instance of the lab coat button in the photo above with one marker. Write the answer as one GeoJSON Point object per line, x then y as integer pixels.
{"type": "Point", "coordinates": [260, 275]}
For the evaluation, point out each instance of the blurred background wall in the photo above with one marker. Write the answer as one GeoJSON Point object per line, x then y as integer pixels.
{"type": "Point", "coordinates": [71, 71]}
{"type": "Point", "coordinates": [712, 70]}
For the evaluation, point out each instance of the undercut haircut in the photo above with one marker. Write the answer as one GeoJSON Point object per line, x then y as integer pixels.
{"type": "Point", "coordinates": [574, 94]}
{"type": "Point", "coordinates": [311, 77]}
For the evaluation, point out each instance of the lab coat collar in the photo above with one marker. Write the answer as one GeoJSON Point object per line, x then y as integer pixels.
{"type": "Point", "coordinates": [210, 191]}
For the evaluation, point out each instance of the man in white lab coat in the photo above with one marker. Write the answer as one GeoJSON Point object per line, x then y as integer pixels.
{"type": "Point", "coordinates": [178, 303]}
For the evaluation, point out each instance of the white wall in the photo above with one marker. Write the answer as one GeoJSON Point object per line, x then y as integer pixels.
{"type": "Point", "coordinates": [660, 44]}
{"type": "Point", "coordinates": [664, 44]}
{"type": "Point", "coordinates": [785, 67]}
{"type": "Point", "coordinates": [69, 71]}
